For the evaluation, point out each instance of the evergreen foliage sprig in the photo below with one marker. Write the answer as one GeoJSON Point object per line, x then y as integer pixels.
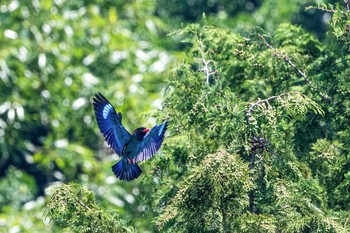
{"type": "Point", "coordinates": [71, 206]}
{"type": "Point", "coordinates": [207, 197]}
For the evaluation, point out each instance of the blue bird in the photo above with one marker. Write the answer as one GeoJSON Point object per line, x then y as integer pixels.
{"type": "Point", "coordinates": [141, 145]}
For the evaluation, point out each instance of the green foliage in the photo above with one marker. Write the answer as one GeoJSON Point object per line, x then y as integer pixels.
{"type": "Point", "coordinates": [259, 117]}
{"type": "Point", "coordinates": [16, 189]}
{"type": "Point", "coordinates": [27, 219]}
{"type": "Point", "coordinates": [74, 207]}
{"type": "Point", "coordinates": [340, 20]}
{"type": "Point", "coordinates": [205, 200]}
{"type": "Point", "coordinates": [241, 88]}
{"type": "Point", "coordinates": [54, 56]}
{"type": "Point", "coordinates": [57, 63]}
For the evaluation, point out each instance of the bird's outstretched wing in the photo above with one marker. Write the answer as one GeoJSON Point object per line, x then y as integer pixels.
{"type": "Point", "coordinates": [151, 142]}
{"type": "Point", "coordinates": [110, 123]}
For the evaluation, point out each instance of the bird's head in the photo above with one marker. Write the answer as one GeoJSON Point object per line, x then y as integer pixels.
{"type": "Point", "coordinates": [140, 132]}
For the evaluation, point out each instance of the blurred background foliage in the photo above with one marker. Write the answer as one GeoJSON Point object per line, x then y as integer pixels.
{"type": "Point", "coordinates": [55, 55]}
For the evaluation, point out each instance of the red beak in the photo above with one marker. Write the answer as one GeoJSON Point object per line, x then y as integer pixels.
{"type": "Point", "coordinates": [146, 130]}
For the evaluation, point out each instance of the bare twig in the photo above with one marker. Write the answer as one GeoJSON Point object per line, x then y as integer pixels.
{"type": "Point", "coordinates": [284, 57]}
{"type": "Point", "coordinates": [250, 110]}
{"type": "Point", "coordinates": [347, 5]}
{"type": "Point", "coordinates": [322, 9]}
{"type": "Point", "coordinates": [289, 61]}
{"type": "Point", "coordinates": [82, 204]}
{"type": "Point", "coordinates": [267, 101]}
{"type": "Point", "coordinates": [252, 207]}
{"type": "Point", "coordinates": [346, 2]}
{"type": "Point", "coordinates": [207, 70]}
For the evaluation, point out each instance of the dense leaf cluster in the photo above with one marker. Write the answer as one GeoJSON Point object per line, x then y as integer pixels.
{"type": "Point", "coordinates": [207, 197]}
{"type": "Point", "coordinates": [74, 207]}
{"type": "Point", "coordinates": [259, 115]}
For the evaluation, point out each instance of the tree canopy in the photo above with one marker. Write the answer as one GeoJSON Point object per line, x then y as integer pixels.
{"type": "Point", "coordinates": [257, 96]}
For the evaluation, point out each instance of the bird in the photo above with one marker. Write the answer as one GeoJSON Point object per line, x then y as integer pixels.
{"type": "Point", "coordinates": [136, 147]}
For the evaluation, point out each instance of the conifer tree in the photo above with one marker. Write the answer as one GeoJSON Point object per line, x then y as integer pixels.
{"type": "Point", "coordinates": [260, 135]}
{"type": "Point", "coordinates": [259, 99]}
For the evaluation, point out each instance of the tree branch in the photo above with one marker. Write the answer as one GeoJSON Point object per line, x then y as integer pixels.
{"type": "Point", "coordinates": [347, 5]}
{"type": "Point", "coordinates": [82, 204]}
{"type": "Point", "coordinates": [252, 207]}
{"type": "Point", "coordinates": [289, 61]}
{"type": "Point", "coordinates": [284, 57]}
{"type": "Point", "coordinates": [331, 10]}
{"type": "Point", "coordinates": [207, 70]}
{"type": "Point", "coordinates": [260, 101]}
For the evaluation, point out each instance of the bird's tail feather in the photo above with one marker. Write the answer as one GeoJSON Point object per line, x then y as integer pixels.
{"type": "Point", "coordinates": [126, 171]}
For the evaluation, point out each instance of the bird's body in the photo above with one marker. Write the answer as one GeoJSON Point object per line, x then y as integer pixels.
{"type": "Point", "coordinates": [141, 145]}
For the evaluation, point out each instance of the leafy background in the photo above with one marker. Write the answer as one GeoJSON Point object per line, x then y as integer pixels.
{"type": "Point", "coordinates": [257, 95]}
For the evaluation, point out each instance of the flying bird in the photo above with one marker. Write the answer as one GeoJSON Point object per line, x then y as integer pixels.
{"type": "Point", "coordinates": [138, 146]}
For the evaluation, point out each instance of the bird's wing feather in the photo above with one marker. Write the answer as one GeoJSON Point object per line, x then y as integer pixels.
{"type": "Point", "coordinates": [151, 142]}
{"type": "Point", "coordinates": [110, 123]}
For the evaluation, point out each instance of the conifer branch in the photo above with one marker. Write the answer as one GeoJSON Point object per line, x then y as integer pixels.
{"type": "Point", "coordinates": [289, 61]}
{"type": "Point", "coordinates": [71, 206]}
{"type": "Point", "coordinates": [323, 7]}
{"type": "Point", "coordinates": [267, 101]}
{"type": "Point", "coordinates": [295, 104]}
{"type": "Point", "coordinates": [286, 58]}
